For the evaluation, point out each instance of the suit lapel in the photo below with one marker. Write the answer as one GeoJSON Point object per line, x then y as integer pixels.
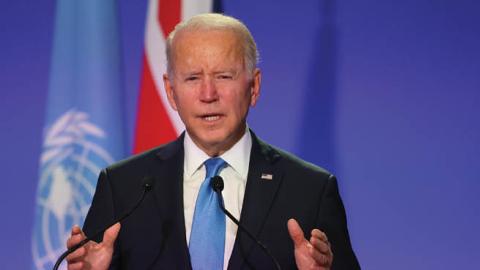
{"type": "Point", "coordinates": [168, 193]}
{"type": "Point", "coordinates": [264, 179]}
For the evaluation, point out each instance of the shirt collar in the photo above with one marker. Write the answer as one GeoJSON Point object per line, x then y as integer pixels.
{"type": "Point", "coordinates": [237, 157]}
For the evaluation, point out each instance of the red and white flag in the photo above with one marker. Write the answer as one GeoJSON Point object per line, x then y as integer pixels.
{"type": "Point", "coordinates": [157, 122]}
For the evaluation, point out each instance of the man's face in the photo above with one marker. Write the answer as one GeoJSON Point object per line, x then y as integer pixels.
{"type": "Point", "coordinates": [211, 89]}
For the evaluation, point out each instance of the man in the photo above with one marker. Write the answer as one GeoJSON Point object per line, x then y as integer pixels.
{"type": "Point", "coordinates": [212, 80]}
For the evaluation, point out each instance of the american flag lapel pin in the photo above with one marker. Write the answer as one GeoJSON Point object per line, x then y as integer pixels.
{"type": "Point", "coordinates": [267, 176]}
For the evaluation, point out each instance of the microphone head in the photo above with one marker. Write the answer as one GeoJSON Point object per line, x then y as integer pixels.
{"type": "Point", "coordinates": [147, 183]}
{"type": "Point", "coordinates": [217, 183]}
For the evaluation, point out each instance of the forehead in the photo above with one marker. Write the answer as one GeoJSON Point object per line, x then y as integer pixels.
{"type": "Point", "coordinates": [202, 46]}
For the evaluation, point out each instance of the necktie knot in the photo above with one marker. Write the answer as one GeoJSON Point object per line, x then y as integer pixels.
{"type": "Point", "coordinates": [214, 166]}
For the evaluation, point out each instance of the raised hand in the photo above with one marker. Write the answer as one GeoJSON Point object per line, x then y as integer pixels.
{"type": "Point", "coordinates": [310, 254]}
{"type": "Point", "coordinates": [92, 256]}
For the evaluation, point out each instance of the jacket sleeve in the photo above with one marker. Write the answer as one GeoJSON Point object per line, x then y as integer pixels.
{"type": "Point", "coordinates": [332, 219]}
{"type": "Point", "coordinates": [101, 213]}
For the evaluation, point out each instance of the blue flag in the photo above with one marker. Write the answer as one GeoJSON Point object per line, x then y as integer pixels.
{"type": "Point", "coordinates": [83, 131]}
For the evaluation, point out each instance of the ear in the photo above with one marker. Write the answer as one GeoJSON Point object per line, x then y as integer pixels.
{"type": "Point", "coordinates": [255, 87]}
{"type": "Point", "coordinates": [169, 89]}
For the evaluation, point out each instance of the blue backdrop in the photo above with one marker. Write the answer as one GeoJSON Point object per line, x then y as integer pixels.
{"type": "Point", "coordinates": [386, 94]}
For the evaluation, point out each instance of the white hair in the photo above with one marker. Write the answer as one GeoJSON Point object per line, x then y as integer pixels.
{"type": "Point", "coordinates": [211, 22]}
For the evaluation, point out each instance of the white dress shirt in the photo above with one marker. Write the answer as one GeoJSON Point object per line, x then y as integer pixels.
{"type": "Point", "coordinates": [235, 179]}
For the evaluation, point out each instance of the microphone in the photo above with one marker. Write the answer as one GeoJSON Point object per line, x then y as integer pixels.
{"type": "Point", "coordinates": [217, 186]}
{"type": "Point", "coordinates": [147, 184]}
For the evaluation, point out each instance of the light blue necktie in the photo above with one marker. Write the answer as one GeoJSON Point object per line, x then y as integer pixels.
{"type": "Point", "coordinates": [207, 238]}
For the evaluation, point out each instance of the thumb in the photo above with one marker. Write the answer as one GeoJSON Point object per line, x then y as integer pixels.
{"type": "Point", "coordinates": [110, 235]}
{"type": "Point", "coordinates": [295, 232]}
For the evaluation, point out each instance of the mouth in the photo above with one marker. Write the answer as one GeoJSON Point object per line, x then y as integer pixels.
{"type": "Point", "coordinates": [211, 117]}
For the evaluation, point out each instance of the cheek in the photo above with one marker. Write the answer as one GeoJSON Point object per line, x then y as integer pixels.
{"type": "Point", "coordinates": [240, 105]}
{"type": "Point", "coordinates": [184, 106]}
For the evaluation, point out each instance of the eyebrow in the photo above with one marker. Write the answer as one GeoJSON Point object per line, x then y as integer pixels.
{"type": "Point", "coordinates": [193, 73]}
{"type": "Point", "coordinates": [231, 70]}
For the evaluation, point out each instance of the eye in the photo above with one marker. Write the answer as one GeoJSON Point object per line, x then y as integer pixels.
{"type": "Point", "coordinates": [191, 78]}
{"type": "Point", "coordinates": [225, 77]}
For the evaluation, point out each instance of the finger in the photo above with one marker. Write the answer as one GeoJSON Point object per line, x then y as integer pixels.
{"type": "Point", "coordinates": [321, 251]}
{"type": "Point", "coordinates": [319, 234]}
{"type": "Point", "coordinates": [75, 266]}
{"type": "Point", "coordinates": [321, 258]}
{"type": "Point", "coordinates": [76, 255]}
{"type": "Point", "coordinates": [75, 239]}
{"type": "Point", "coordinates": [76, 229]}
{"type": "Point", "coordinates": [111, 234]}
{"type": "Point", "coordinates": [320, 245]}
{"type": "Point", "coordinates": [295, 232]}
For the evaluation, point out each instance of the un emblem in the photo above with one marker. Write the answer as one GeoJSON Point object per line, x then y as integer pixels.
{"type": "Point", "coordinates": [71, 160]}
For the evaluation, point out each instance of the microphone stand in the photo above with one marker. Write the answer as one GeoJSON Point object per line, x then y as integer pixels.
{"type": "Point", "coordinates": [217, 185]}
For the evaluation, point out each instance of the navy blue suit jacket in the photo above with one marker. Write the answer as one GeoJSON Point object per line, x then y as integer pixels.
{"type": "Point", "coordinates": [153, 237]}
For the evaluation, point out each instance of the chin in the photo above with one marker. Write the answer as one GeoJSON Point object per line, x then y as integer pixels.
{"type": "Point", "coordinates": [217, 140]}
{"type": "Point", "coordinates": [214, 138]}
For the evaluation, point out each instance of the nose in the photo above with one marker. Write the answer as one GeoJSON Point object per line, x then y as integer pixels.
{"type": "Point", "coordinates": [208, 91]}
